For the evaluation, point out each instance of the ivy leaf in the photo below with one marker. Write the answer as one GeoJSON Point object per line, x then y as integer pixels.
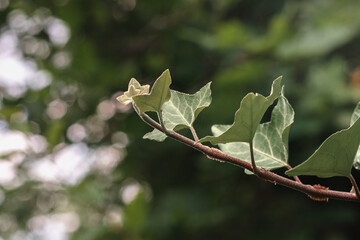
{"type": "Point", "coordinates": [160, 93]}
{"type": "Point", "coordinates": [334, 157]}
{"type": "Point", "coordinates": [155, 135]}
{"type": "Point", "coordinates": [247, 117]}
{"type": "Point", "coordinates": [270, 141]}
{"type": "Point", "coordinates": [355, 116]}
{"type": "Point", "coordinates": [181, 111]}
{"type": "Point", "coordinates": [134, 89]}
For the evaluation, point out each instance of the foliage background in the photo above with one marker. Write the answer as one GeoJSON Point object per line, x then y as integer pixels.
{"type": "Point", "coordinates": [73, 163]}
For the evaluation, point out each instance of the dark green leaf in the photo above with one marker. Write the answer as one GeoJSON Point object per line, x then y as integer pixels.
{"type": "Point", "coordinates": [247, 117]}
{"type": "Point", "coordinates": [334, 157]}
{"type": "Point", "coordinates": [270, 140]}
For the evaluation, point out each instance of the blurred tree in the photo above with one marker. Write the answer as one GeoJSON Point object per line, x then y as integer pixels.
{"type": "Point", "coordinates": [73, 164]}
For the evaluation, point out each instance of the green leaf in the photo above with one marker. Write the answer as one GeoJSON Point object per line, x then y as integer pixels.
{"type": "Point", "coordinates": [160, 93]}
{"type": "Point", "coordinates": [181, 111]}
{"type": "Point", "coordinates": [247, 117]}
{"type": "Point", "coordinates": [334, 157]}
{"type": "Point", "coordinates": [270, 140]}
{"type": "Point", "coordinates": [354, 117]}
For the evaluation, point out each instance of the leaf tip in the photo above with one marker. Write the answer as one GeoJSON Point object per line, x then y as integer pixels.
{"type": "Point", "coordinates": [122, 99]}
{"type": "Point", "coordinates": [282, 91]}
{"type": "Point", "coordinates": [204, 139]}
{"type": "Point", "coordinates": [277, 81]}
{"type": "Point", "coordinates": [166, 73]}
{"type": "Point", "coordinates": [290, 173]}
{"type": "Point", "coordinates": [134, 82]}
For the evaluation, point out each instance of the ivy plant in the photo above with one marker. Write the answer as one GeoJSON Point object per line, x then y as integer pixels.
{"type": "Point", "coordinates": [257, 147]}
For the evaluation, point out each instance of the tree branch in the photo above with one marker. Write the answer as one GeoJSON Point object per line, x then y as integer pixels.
{"type": "Point", "coordinates": [262, 173]}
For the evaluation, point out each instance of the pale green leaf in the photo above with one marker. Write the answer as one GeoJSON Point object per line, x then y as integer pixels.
{"type": "Point", "coordinates": [160, 93]}
{"type": "Point", "coordinates": [334, 157]}
{"type": "Point", "coordinates": [155, 135]}
{"type": "Point", "coordinates": [356, 116]}
{"type": "Point", "coordinates": [134, 89]}
{"type": "Point", "coordinates": [181, 111]}
{"type": "Point", "coordinates": [270, 140]}
{"type": "Point", "coordinates": [247, 117]}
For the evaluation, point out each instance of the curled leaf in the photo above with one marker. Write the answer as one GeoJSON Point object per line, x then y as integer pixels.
{"type": "Point", "coordinates": [134, 89]}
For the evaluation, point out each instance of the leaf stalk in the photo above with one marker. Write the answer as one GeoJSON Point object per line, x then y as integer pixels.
{"type": "Point", "coordinates": [193, 132]}
{"type": "Point", "coordinates": [161, 120]}
{"type": "Point", "coordinates": [296, 178]}
{"type": "Point", "coordinates": [356, 188]}
{"type": "Point", "coordinates": [252, 157]}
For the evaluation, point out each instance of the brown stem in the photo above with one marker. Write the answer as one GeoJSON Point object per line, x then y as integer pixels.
{"type": "Point", "coordinates": [356, 188]}
{"type": "Point", "coordinates": [262, 173]}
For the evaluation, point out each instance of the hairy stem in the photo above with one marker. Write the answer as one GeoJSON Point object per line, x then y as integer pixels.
{"type": "Point", "coordinates": [356, 188]}
{"type": "Point", "coordinates": [262, 173]}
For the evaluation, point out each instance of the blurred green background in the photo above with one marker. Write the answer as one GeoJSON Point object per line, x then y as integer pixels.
{"type": "Point", "coordinates": [73, 164]}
